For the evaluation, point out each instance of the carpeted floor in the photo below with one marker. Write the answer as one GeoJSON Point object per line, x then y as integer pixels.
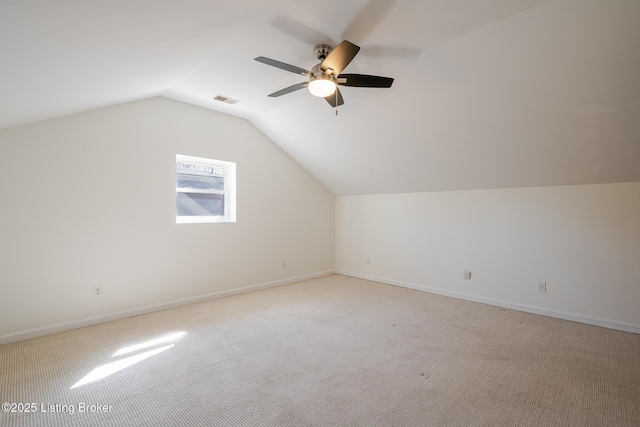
{"type": "Point", "coordinates": [332, 351]}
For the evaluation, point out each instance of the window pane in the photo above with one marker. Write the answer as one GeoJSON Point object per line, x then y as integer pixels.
{"type": "Point", "coordinates": [200, 204]}
{"type": "Point", "coordinates": [205, 190]}
{"type": "Point", "coordinates": [199, 182]}
{"type": "Point", "coordinates": [200, 177]}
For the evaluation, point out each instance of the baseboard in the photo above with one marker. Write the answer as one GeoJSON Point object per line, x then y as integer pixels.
{"type": "Point", "coordinates": [66, 326]}
{"type": "Point", "coordinates": [605, 323]}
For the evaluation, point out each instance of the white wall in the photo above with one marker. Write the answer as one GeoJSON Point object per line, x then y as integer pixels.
{"type": "Point", "coordinates": [583, 240]}
{"type": "Point", "coordinates": [89, 200]}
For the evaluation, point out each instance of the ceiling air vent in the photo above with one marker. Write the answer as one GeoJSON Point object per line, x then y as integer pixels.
{"type": "Point", "coordinates": [225, 99]}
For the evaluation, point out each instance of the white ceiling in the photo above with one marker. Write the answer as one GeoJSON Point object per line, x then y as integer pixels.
{"type": "Point", "coordinates": [488, 93]}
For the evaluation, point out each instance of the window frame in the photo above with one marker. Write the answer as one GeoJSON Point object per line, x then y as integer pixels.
{"type": "Point", "coordinates": [229, 191]}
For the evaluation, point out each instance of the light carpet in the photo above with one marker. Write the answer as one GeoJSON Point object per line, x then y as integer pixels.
{"type": "Point", "coordinates": [331, 351]}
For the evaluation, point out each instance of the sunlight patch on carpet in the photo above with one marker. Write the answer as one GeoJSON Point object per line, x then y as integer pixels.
{"type": "Point", "coordinates": [107, 369]}
{"type": "Point", "coordinates": [150, 343]}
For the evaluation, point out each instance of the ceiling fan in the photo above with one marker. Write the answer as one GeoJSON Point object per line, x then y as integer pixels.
{"type": "Point", "coordinates": [325, 77]}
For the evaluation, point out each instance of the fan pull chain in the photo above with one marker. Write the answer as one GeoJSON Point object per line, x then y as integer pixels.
{"type": "Point", "coordinates": [336, 101]}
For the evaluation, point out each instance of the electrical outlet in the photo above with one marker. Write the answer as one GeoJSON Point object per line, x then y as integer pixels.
{"type": "Point", "coordinates": [542, 286]}
{"type": "Point", "coordinates": [284, 264]}
{"type": "Point", "coordinates": [467, 275]}
{"type": "Point", "coordinates": [368, 261]}
{"type": "Point", "coordinates": [97, 291]}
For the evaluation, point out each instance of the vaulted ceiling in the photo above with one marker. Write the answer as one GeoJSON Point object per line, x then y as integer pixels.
{"type": "Point", "coordinates": [487, 93]}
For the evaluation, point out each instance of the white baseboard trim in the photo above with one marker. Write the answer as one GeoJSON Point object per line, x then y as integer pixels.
{"type": "Point", "coordinates": [74, 324]}
{"type": "Point", "coordinates": [605, 323]}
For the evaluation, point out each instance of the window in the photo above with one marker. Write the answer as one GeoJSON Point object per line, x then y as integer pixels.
{"type": "Point", "coordinates": [205, 190]}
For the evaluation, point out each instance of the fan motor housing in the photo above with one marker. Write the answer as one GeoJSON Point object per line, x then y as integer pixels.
{"type": "Point", "coordinates": [317, 73]}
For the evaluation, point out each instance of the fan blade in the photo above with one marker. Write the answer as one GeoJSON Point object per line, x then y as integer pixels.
{"type": "Point", "coordinates": [363, 80]}
{"type": "Point", "coordinates": [283, 66]}
{"type": "Point", "coordinates": [289, 89]}
{"type": "Point", "coordinates": [335, 99]}
{"type": "Point", "coordinates": [340, 57]}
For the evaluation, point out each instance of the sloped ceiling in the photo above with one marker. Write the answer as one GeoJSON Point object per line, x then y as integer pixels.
{"type": "Point", "coordinates": [488, 93]}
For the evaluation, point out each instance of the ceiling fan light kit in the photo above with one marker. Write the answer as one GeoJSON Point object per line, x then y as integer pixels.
{"type": "Point", "coordinates": [324, 78]}
{"type": "Point", "coordinates": [322, 87]}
